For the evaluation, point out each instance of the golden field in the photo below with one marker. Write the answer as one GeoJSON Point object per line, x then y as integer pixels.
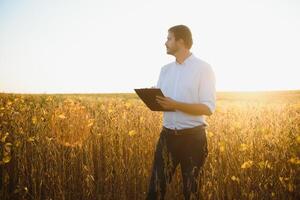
{"type": "Point", "coordinates": [101, 146]}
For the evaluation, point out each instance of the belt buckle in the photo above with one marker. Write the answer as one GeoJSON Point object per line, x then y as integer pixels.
{"type": "Point", "coordinates": [176, 133]}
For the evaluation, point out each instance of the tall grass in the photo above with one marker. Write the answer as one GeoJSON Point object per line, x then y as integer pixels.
{"type": "Point", "coordinates": [102, 147]}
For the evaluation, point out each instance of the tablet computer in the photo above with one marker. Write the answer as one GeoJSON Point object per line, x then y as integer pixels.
{"type": "Point", "coordinates": [148, 96]}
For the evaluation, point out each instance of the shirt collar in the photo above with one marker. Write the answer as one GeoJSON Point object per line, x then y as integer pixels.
{"type": "Point", "coordinates": [188, 59]}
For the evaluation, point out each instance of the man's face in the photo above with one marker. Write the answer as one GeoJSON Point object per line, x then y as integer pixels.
{"type": "Point", "coordinates": [171, 44]}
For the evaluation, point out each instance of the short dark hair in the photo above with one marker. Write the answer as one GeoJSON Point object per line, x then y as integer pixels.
{"type": "Point", "coordinates": [184, 33]}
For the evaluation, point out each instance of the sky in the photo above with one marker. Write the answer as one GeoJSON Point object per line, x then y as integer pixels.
{"type": "Point", "coordinates": [114, 46]}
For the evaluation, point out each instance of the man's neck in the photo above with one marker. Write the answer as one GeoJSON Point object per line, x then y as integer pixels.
{"type": "Point", "coordinates": [182, 55]}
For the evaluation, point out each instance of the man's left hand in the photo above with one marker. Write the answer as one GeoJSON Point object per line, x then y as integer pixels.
{"type": "Point", "coordinates": [167, 102]}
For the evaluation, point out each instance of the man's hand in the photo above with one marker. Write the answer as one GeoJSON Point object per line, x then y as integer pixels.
{"type": "Point", "coordinates": [167, 102]}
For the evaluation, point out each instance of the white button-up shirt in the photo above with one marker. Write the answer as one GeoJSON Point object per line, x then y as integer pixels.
{"type": "Point", "coordinates": [193, 81]}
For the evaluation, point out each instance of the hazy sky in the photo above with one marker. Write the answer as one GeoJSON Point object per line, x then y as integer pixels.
{"type": "Point", "coordinates": [61, 46]}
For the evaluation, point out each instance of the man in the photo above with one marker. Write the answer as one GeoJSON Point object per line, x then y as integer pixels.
{"type": "Point", "coordinates": [188, 84]}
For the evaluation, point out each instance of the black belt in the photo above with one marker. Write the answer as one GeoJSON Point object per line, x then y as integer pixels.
{"type": "Point", "coordinates": [194, 130]}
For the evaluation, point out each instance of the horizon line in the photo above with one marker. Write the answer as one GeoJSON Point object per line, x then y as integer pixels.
{"type": "Point", "coordinates": [218, 91]}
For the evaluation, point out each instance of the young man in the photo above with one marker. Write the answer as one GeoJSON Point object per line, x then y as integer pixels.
{"type": "Point", "coordinates": [188, 84]}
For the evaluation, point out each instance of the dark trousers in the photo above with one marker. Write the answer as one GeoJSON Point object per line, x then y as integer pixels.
{"type": "Point", "coordinates": [190, 151]}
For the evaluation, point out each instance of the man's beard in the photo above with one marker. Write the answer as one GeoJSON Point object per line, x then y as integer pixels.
{"type": "Point", "coordinates": [171, 51]}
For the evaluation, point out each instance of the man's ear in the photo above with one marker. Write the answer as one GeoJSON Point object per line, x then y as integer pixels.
{"type": "Point", "coordinates": [181, 42]}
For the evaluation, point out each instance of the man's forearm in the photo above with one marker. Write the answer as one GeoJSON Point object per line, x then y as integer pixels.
{"type": "Point", "coordinates": [193, 109]}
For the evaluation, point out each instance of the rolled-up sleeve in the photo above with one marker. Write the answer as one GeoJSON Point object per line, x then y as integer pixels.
{"type": "Point", "coordinates": [207, 88]}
